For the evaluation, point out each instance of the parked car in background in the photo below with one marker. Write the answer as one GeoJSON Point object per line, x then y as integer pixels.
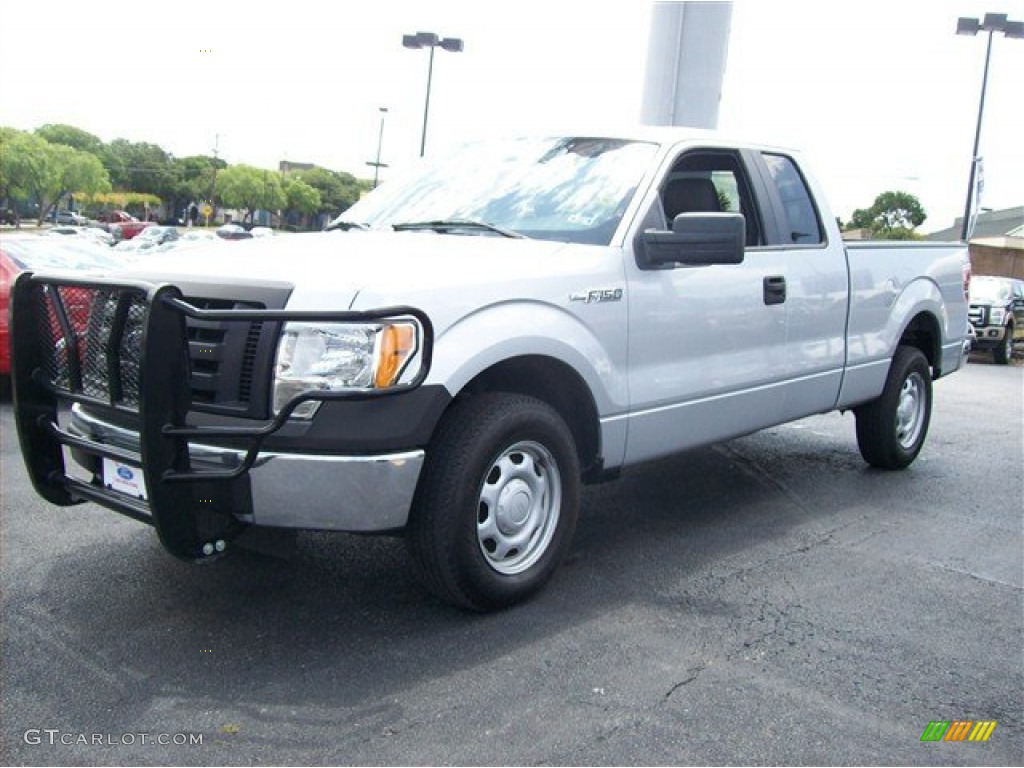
{"type": "Point", "coordinates": [149, 238]}
{"type": "Point", "coordinates": [19, 252]}
{"type": "Point", "coordinates": [233, 232]}
{"type": "Point", "coordinates": [997, 314]}
{"type": "Point", "coordinates": [122, 225]}
{"type": "Point", "coordinates": [68, 217]}
{"type": "Point", "coordinates": [92, 234]}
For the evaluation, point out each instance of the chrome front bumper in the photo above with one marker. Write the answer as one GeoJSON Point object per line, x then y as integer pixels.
{"type": "Point", "coordinates": [293, 490]}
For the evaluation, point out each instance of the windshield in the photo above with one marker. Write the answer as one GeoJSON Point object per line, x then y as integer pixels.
{"type": "Point", "coordinates": [569, 189]}
{"type": "Point", "coordinates": [989, 290]}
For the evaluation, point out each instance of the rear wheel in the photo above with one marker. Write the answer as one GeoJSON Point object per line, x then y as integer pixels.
{"type": "Point", "coordinates": [891, 429]}
{"type": "Point", "coordinates": [498, 502]}
{"type": "Point", "coordinates": [1004, 352]}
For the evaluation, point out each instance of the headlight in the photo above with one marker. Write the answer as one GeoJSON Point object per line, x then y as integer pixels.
{"type": "Point", "coordinates": [996, 316]}
{"type": "Point", "coordinates": [335, 357]}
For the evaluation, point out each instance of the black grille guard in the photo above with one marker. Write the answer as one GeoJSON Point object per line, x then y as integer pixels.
{"type": "Point", "coordinates": [192, 510]}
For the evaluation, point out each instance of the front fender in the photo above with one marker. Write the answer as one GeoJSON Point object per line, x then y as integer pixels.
{"type": "Point", "coordinates": [519, 328]}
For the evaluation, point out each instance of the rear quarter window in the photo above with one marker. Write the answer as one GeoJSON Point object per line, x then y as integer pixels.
{"type": "Point", "coordinates": [800, 217]}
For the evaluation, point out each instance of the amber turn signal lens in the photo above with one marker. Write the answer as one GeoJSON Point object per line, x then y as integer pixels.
{"type": "Point", "coordinates": [397, 344]}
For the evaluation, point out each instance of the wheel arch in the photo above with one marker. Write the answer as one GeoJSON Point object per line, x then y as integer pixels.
{"type": "Point", "coordinates": [924, 333]}
{"type": "Point", "coordinates": [556, 383]}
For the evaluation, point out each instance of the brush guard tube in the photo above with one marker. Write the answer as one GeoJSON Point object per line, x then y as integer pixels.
{"type": "Point", "coordinates": [137, 366]}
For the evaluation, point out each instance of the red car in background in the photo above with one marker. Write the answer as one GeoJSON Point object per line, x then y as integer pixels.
{"type": "Point", "coordinates": [122, 225]}
{"type": "Point", "coordinates": [21, 252]}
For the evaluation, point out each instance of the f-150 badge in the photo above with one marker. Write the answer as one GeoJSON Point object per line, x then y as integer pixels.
{"type": "Point", "coordinates": [596, 295]}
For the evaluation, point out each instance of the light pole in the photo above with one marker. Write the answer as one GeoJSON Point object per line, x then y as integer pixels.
{"type": "Point", "coordinates": [430, 40]}
{"type": "Point", "coordinates": [993, 22]}
{"type": "Point", "coordinates": [377, 164]}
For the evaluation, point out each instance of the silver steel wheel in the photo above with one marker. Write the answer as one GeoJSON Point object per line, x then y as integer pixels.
{"type": "Point", "coordinates": [911, 410]}
{"type": "Point", "coordinates": [518, 507]}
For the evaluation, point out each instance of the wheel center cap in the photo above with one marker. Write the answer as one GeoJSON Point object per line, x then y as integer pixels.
{"type": "Point", "coordinates": [514, 504]}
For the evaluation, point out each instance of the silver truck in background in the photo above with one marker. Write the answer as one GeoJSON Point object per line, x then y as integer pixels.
{"type": "Point", "coordinates": [470, 343]}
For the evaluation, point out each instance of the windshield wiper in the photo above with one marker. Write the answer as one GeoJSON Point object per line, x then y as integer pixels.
{"type": "Point", "coordinates": [345, 226]}
{"type": "Point", "coordinates": [450, 225]}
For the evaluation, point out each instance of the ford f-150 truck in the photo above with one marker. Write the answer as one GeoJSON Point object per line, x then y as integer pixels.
{"type": "Point", "coordinates": [469, 344]}
{"type": "Point", "coordinates": [996, 311]}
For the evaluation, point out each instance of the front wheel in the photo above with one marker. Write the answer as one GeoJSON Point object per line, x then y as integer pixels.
{"type": "Point", "coordinates": [1004, 352]}
{"type": "Point", "coordinates": [498, 501]}
{"type": "Point", "coordinates": [891, 429]}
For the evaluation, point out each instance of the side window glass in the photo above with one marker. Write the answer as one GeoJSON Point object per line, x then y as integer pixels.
{"type": "Point", "coordinates": [802, 226]}
{"type": "Point", "coordinates": [710, 182]}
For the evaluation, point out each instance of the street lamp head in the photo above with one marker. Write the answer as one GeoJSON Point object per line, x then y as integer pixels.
{"type": "Point", "coordinates": [994, 22]}
{"type": "Point", "coordinates": [420, 40]}
{"type": "Point", "coordinates": [431, 40]}
{"type": "Point", "coordinates": [966, 26]}
{"type": "Point", "coordinates": [1014, 29]}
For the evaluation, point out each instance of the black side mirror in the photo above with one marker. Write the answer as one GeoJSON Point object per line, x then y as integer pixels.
{"type": "Point", "coordinates": [696, 239]}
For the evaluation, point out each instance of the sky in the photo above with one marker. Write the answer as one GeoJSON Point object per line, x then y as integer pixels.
{"type": "Point", "coordinates": [878, 95]}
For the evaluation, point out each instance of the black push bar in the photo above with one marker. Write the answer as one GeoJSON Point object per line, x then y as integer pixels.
{"type": "Point", "coordinates": [121, 349]}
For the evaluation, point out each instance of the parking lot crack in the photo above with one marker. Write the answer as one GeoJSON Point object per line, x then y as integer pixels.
{"type": "Point", "coordinates": [692, 674]}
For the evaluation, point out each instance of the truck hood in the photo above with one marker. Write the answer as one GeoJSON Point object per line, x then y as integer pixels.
{"type": "Point", "coordinates": [328, 270]}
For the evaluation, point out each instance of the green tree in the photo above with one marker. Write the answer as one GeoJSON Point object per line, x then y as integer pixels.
{"type": "Point", "coordinates": [196, 175]}
{"type": "Point", "coordinates": [302, 200]}
{"type": "Point", "coordinates": [140, 167]}
{"type": "Point", "coordinates": [249, 188]}
{"type": "Point", "coordinates": [80, 172]}
{"type": "Point", "coordinates": [893, 216]}
{"type": "Point", "coordinates": [338, 190]}
{"type": "Point", "coordinates": [30, 166]}
{"type": "Point", "coordinates": [27, 166]}
{"type": "Point", "coordinates": [59, 133]}
{"type": "Point", "coordinates": [11, 171]}
{"type": "Point", "coordinates": [71, 171]}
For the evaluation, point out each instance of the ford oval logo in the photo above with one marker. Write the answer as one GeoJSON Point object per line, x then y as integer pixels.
{"type": "Point", "coordinates": [124, 473]}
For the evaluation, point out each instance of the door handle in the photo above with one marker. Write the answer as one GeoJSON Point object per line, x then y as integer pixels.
{"type": "Point", "coordinates": [774, 289]}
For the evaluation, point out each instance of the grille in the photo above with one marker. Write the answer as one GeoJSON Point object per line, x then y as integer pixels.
{"type": "Point", "coordinates": [92, 341]}
{"type": "Point", "coordinates": [976, 314]}
{"type": "Point", "coordinates": [112, 352]}
{"type": "Point", "coordinates": [223, 357]}
{"type": "Point", "coordinates": [105, 328]}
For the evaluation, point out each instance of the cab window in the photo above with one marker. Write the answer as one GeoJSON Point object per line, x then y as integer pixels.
{"type": "Point", "coordinates": [711, 182]}
{"type": "Point", "coordinates": [800, 218]}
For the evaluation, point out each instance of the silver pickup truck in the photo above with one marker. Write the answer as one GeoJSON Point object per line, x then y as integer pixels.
{"type": "Point", "coordinates": [468, 344]}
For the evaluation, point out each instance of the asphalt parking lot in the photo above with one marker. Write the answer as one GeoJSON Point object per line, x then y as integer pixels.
{"type": "Point", "coordinates": [769, 600]}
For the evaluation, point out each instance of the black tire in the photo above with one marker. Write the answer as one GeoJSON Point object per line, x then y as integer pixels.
{"type": "Point", "coordinates": [892, 428]}
{"type": "Point", "coordinates": [1004, 352]}
{"type": "Point", "coordinates": [498, 501]}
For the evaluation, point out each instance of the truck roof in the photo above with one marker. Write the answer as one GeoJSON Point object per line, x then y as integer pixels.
{"type": "Point", "coordinates": [660, 134]}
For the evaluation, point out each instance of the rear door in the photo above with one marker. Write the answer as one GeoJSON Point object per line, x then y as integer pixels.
{"type": "Point", "coordinates": [816, 278]}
